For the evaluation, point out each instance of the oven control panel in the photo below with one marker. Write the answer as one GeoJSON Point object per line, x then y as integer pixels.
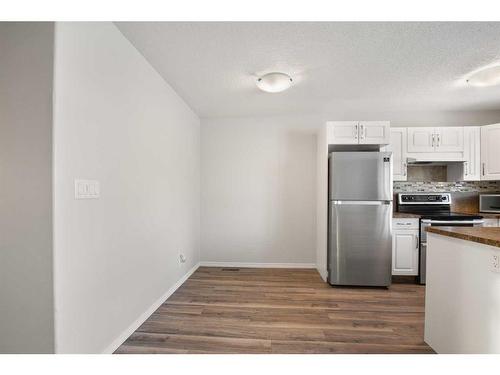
{"type": "Point", "coordinates": [424, 198]}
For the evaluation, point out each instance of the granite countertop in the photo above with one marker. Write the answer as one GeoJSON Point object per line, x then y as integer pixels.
{"type": "Point", "coordinates": [484, 235]}
{"type": "Point", "coordinates": [404, 215]}
{"type": "Point", "coordinates": [486, 215]}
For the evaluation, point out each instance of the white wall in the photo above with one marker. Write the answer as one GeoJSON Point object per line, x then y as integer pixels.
{"type": "Point", "coordinates": [258, 195]}
{"type": "Point", "coordinates": [26, 293]}
{"type": "Point", "coordinates": [116, 120]}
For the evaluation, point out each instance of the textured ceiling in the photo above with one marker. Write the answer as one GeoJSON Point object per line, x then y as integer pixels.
{"type": "Point", "coordinates": [345, 67]}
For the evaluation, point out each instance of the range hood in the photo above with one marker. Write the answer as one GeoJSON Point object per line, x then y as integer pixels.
{"type": "Point", "coordinates": [434, 162]}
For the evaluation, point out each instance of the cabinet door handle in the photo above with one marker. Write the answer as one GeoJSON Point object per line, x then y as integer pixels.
{"type": "Point", "coordinates": [466, 168]}
{"type": "Point", "coordinates": [404, 169]}
{"type": "Point", "coordinates": [361, 131]}
{"type": "Point", "coordinates": [416, 241]}
{"type": "Point", "coordinates": [483, 169]}
{"type": "Point", "coordinates": [433, 136]}
{"type": "Point", "coordinates": [356, 131]}
{"type": "Point", "coordinates": [438, 140]}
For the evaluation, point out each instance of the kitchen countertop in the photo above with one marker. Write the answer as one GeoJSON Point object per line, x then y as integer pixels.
{"type": "Point", "coordinates": [486, 215]}
{"type": "Point", "coordinates": [484, 235]}
{"type": "Point", "coordinates": [404, 215]}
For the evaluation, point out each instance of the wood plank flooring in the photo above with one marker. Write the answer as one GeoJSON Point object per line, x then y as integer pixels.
{"type": "Point", "coordinates": [254, 310]}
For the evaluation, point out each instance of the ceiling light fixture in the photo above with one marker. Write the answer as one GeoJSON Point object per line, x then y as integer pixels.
{"type": "Point", "coordinates": [274, 82]}
{"type": "Point", "coordinates": [487, 76]}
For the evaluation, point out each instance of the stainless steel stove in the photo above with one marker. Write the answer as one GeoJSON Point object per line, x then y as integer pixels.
{"type": "Point", "coordinates": [434, 210]}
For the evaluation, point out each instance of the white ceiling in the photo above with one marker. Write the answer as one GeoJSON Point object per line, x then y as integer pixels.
{"type": "Point", "coordinates": [347, 67]}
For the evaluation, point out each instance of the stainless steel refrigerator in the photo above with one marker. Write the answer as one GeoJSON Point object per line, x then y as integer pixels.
{"type": "Point", "coordinates": [360, 218]}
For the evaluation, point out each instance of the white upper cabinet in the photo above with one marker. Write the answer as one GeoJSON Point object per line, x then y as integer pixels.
{"type": "Point", "coordinates": [374, 132]}
{"type": "Point", "coordinates": [449, 139]}
{"type": "Point", "coordinates": [470, 169]}
{"type": "Point", "coordinates": [490, 152]}
{"type": "Point", "coordinates": [472, 153]}
{"type": "Point", "coordinates": [398, 148]}
{"type": "Point", "coordinates": [358, 132]}
{"type": "Point", "coordinates": [443, 139]}
{"type": "Point", "coordinates": [342, 132]}
{"type": "Point", "coordinates": [421, 140]}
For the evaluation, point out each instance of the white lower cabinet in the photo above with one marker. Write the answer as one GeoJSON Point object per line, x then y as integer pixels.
{"type": "Point", "coordinates": [405, 247]}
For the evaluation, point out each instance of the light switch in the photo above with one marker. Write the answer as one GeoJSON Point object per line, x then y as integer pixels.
{"type": "Point", "coordinates": [87, 189]}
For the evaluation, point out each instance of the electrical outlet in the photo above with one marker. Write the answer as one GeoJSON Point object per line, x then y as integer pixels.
{"type": "Point", "coordinates": [182, 258]}
{"type": "Point", "coordinates": [87, 189]}
{"type": "Point", "coordinates": [495, 262]}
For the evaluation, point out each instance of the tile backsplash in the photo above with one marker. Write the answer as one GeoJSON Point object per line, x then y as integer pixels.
{"type": "Point", "coordinates": [461, 186]}
{"type": "Point", "coordinates": [427, 173]}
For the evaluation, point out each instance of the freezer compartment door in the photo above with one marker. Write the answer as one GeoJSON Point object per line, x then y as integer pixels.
{"type": "Point", "coordinates": [359, 243]}
{"type": "Point", "coordinates": [360, 176]}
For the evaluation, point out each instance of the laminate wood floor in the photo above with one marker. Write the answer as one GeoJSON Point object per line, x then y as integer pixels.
{"type": "Point", "coordinates": [255, 310]}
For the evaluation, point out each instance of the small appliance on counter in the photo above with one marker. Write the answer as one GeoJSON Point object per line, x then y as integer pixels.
{"type": "Point", "coordinates": [434, 210]}
{"type": "Point", "coordinates": [489, 203]}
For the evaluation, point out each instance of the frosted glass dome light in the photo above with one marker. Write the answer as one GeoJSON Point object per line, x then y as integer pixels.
{"type": "Point", "coordinates": [488, 76]}
{"type": "Point", "coordinates": [274, 82]}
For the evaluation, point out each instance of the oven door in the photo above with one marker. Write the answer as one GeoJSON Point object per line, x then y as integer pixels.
{"type": "Point", "coordinates": [424, 223]}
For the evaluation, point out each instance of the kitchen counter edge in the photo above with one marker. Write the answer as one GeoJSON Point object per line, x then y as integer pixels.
{"type": "Point", "coordinates": [483, 235]}
{"type": "Point", "coordinates": [404, 215]}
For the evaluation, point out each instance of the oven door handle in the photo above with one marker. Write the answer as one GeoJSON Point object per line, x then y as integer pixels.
{"type": "Point", "coordinates": [426, 221]}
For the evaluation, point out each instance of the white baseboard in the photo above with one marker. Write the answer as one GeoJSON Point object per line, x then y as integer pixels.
{"type": "Point", "coordinates": [323, 274]}
{"type": "Point", "coordinates": [257, 265]}
{"type": "Point", "coordinates": [146, 314]}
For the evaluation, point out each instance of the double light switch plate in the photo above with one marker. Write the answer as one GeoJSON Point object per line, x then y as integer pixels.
{"type": "Point", "coordinates": [87, 189]}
